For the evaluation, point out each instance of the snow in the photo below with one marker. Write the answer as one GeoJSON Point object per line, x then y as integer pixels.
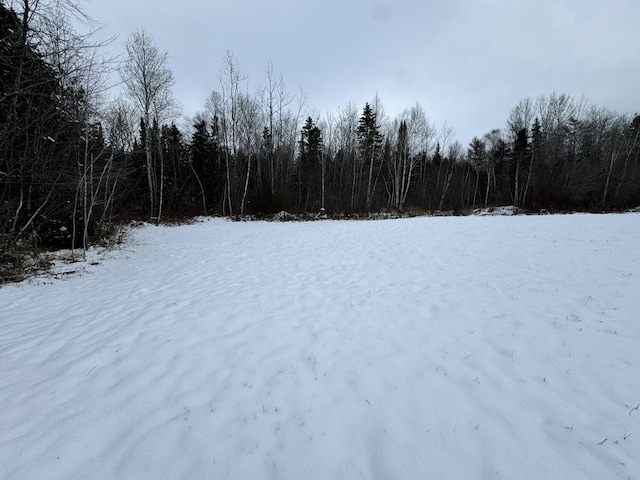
{"type": "Point", "coordinates": [442, 347]}
{"type": "Point", "coordinates": [504, 210]}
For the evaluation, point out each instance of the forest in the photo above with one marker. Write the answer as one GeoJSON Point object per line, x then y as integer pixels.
{"type": "Point", "coordinates": [77, 160]}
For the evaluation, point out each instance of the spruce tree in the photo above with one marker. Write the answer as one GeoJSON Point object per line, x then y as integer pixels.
{"type": "Point", "coordinates": [370, 149]}
{"type": "Point", "coordinates": [310, 167]}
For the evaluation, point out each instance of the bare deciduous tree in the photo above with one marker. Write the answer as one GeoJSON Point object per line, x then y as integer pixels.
{"type": "Point", "coordinates": [148, 81]}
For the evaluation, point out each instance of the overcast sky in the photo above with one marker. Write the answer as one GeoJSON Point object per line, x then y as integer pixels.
{"type": "Point", "coordinates": [467, 62]}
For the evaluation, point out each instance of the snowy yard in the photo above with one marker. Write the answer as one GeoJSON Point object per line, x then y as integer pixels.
{"type": "Point", "coordinates": [433, 348]}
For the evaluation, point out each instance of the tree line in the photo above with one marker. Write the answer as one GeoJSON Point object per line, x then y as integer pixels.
{"type": "Point", "coordinates": [73, 163]}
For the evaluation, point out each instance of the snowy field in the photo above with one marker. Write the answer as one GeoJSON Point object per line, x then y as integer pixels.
{"type": "Point", "coordinates": [425, 348]}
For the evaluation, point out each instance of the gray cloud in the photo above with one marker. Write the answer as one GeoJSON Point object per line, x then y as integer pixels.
{"type": "Point", "coordinates": [467, 62]}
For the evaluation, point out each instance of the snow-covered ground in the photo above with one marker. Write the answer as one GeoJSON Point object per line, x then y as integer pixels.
{"type": "Point", "coordinates": [448, 348]}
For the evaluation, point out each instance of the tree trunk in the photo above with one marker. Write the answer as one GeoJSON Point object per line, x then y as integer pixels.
{"type": "Point", "coordinates": [612, 162]}
{"type": "Point", "coordinates": [445, 187]}
{"type": "Point", "coordinates": [475, 191]}
{"type": "Point", "coordinates": [526, 187]}
{"type": "Point", "coordinates": [246, 188]}
{"type": "Point", "coordinates": [149, 158]}
{"type": "Point", "coordinates": [516, 193]}
{"type": "Point", "coordinates": [228, 189]}
{"type": "Point", "coordinates": [486, 195]}
{"type": "Point", "coordinates": [322, 186]}
{"type": "Point", "coordinates": [161, 159]}
{"type": "Point", "coordinates": [353, 185]}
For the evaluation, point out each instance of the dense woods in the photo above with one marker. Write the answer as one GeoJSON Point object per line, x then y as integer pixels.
{"type": "Point", "coordinates": [73, 162]}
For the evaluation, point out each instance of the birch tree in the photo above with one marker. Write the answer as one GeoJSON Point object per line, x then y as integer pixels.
{"type": "Point", "coordinates": [454, 156]}
{"type": "Point", "coordinates": [225, 105]}
{"type": "Point", "coordinates": [346, 157]}
{"type": "Point", "coordinates": [148, 81]}
{"type": "Point", "coordinates": [420, 134]}
{"type": "Point", "coordinates": [250, 120]}
{"type": "Point", "coordinates": [276, 102]}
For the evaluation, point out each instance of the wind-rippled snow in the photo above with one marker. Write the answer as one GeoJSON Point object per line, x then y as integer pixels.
{"type": "Point", "coordinates": [468, 347]}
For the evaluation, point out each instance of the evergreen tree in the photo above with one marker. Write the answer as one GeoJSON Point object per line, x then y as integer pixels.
{"type": "Point", "coordinates": [477, 158]}
{"type": "Point", "coordinates": [208, 172]}
{"type": "Point", "coordinates": [310, 165]}
{"type": "Point", "coordinates": [399, 168]}
{"type": "Point", "coordinates": [40, 136]}
{"type": "Point", "coordinates": [519, 153]}
{"type": "Point", "coordinates": [437, 156]}
{"type": "Point", "coordinates": [370, 149]}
